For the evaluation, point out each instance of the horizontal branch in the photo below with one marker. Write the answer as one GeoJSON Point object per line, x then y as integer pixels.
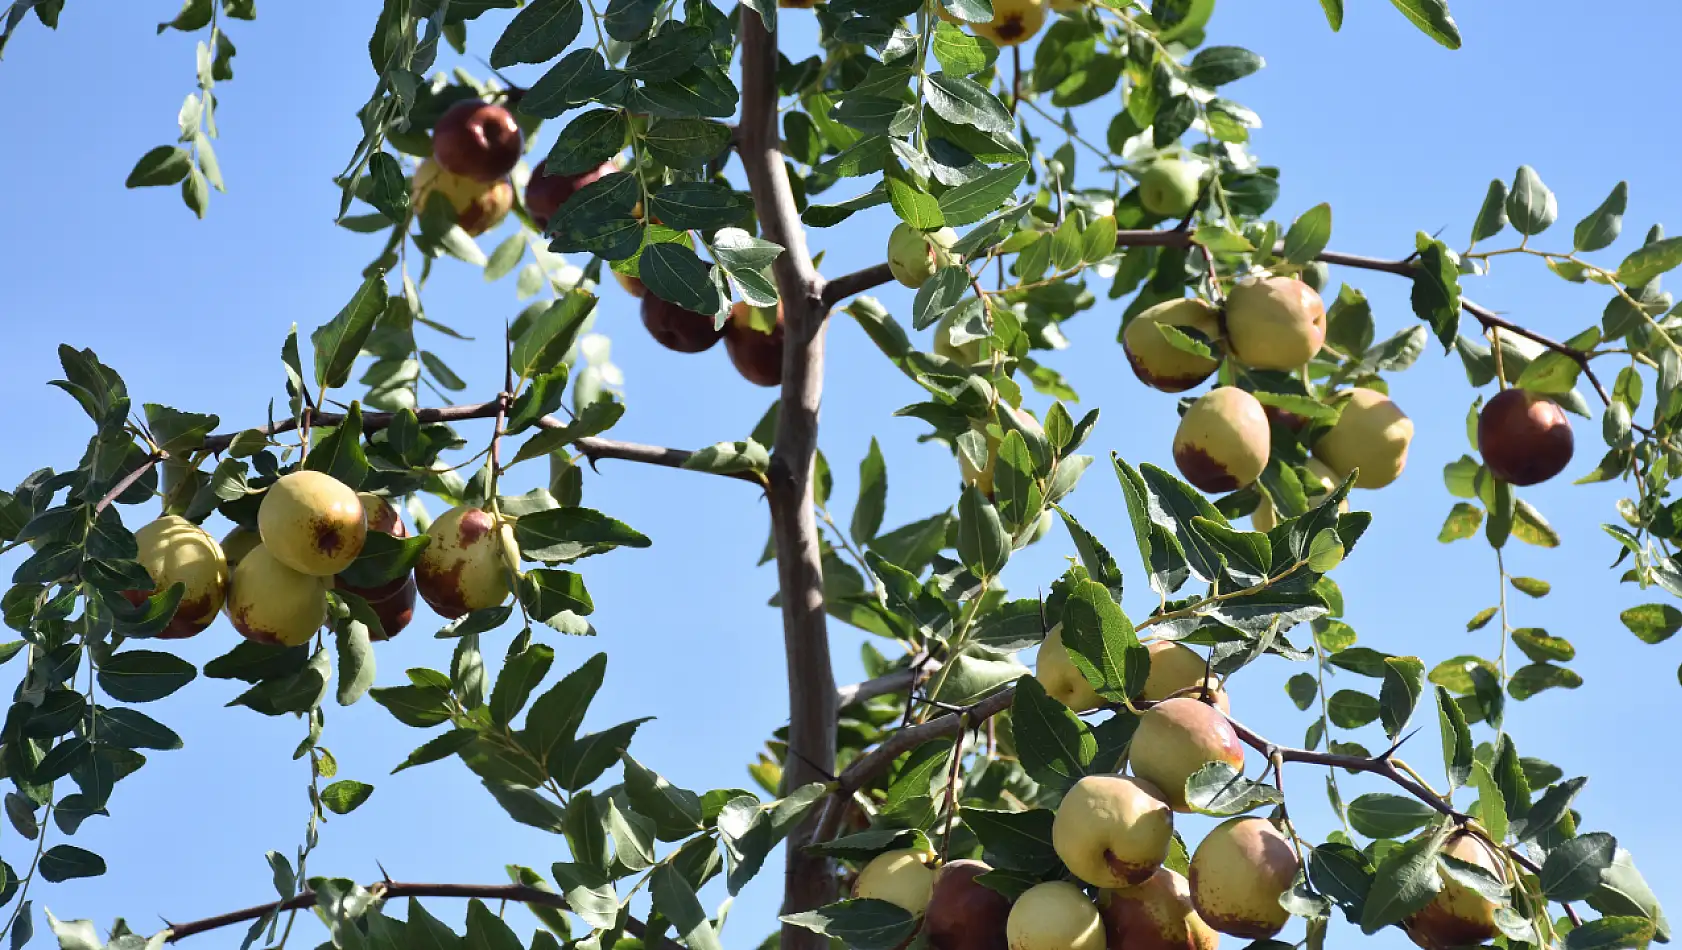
{"type": "Point", "coordinates": [592, 447]}
{"type": "Point", "coordinates": [887, 684]}
{"type": "Point", "coordinates": [517, 893]}
{"type": "Point", "coordinates": [862, 280]}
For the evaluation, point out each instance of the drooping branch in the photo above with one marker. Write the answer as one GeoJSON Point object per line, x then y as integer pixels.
{"type": "Point", "coordinates": [387, 890]}
{"type": "Point", "coordinates": [592, 447]}
{"type": "Point", "coordinates": [874, 276]}
{"type": "Point", "coordinates": [807, 881]}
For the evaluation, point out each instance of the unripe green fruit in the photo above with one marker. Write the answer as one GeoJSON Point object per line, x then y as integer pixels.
{"type": "Point", "coordinates": [1223, 442]}
{"type": "Point", "coordinates": [175, 551]}
{"type": "Point", "coordinates": [236, 544]}
{"type": "Point", "coordinates": [272, 603]}
{"type": "Point", "coordinates": [1458, 916]}
{"type": "Point", "coordinates": [902, 878]}
{"type": "Point", "coordinates": [1274, 322]}
{"type": "Point", "coordinates": [470, 564]}
{"type": "Point", "coordinates": [1158, 363]}
{"type": "Point", "coordinates": [312, 523]}
{"type": "Point", "coordinates": [1112, 830]}
{"type": "Point", "coordinates": [1155, 915]}
{"type": "Point", "coordinates": [1316, 275]}
{"type": "Point", "coordinates": [914, 256]}
{"type": "Point", "coordinates": [1177, 737]}
{"type": "Point", "coordinates": [1176, 667]}
{"type": "Point", "coordinates": [1042, 527]}
{"type": "Point", "coordinates": [1061, 679]}
{"type": "Point", "coordinates": [1055, 915]}
{"type": "Point", "coordinates": [1170, 188]}
{"type": "Point", "coordinates": [1372, 435]}
{"type": "Point", "coordinates": [1237, 875]}
{"type": "Point", "coordinates": [968, 353]}
{"type": "Point", "coordinates": [1323, 481]}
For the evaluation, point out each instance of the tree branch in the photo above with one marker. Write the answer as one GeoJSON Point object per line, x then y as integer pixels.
{"type": "Point", "coordinates": [862, 280]}
{"type": "Point", "coordinates": [517, 893]}
{"type": "Point", "coordinates": [896, 682]}
{"type": "Point", "coordinates": [808, 882]}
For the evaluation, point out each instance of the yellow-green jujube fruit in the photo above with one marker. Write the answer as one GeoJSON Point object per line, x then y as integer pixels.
{"type": "Point", "coordinates": [1177, 737]}
{"type": "Point", "coordinates": [1158, 363]}
{"type": "Point", "coordinates": [236, 544]}
{"type": "Point", "coordinates": [902, 878]}
{"type": "Point", "coordinates": [470, 563]}
{"type": "Point", "coordinates": [479, 205]}
{"type": "Point", "coordinates": [1372, 434]}
{"type": "Point", "coordinates": [1238, 873]}
{"type": "Point", "coordinates": [271, 603]}
{"type": "Point", "coordinates": [175, 551]}
{"type": "Point", "coordinates": [1061, 679]}
{"type": "Point", "coordinates": [1169, 188]}
{"type": "Point", "coordinates": [968, 353]}
{"type": "Point", "coordinates": [312, 523]}
{"type": "Point", "coordinates": [1321, 483]}
{"type": "Point", "coordinates": [1112, 830]}
{"type": "Point", "coordinates": [914, 256]}
{"type": "Point", "coordinates": [1223, 441]}
{"type": "Point", "coordinates": [1055, 915]}
{"type": "Point", "coordinates": [1274, 322]}
{"type": "Point", "coordinates": [1176, 667]}
{"type": "Point", "coordinates": [1459, 916]}
{"type": "Point", "coordinates": [1014, 22]}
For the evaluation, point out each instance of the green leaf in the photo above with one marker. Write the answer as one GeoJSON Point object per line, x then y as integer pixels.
{"type": "Point", "coordinates": [383, 559]}
{"type": "Point", "coordinates": [675, 899]}
{"type": "Point", "coordinates": [861, 924]}
{"type": "Point", "coordinates": [340, 453]}
{"type": "Point", "coordinates": [1462, 522]}
{"type": "Point", "coordinates": [561, 534]}
{"type": "Point", "coordinates": [1611, 933]}
{"type": "Point", "coordinates": [343, 797]}
{"type": "Point", "coordinates": [975, 199]}
{"type": "Point", "coordinates": [1101, 642]}
{"type": "Point", "coordinates": [983, 543]}
{"type": "Point", "coordinates": [913, 205]}
{"type": "Point", "coordinates": [729, 458]}
{"type": "Point", "coordinates": [1536, 677]}
{"type": "Point", "coordinates": [1436, 290]}
{"type": "Point", "coordinates": [1622, 891]}
{"type": "Point", "coordinates": [1572, 871]}
{"type": "Point", "coordinates": [419, 706]}
{"type": "Point", "coordinates": [1649, 261]}
{"type": "Point", "coordinates": [1219, 789]}
{"type": "Point", "coordinates": [1015, 840]}
{"type": "Point", "coordinates": [705, 205]}
{"type": "Point", "coordinates": [959, 52]}
{"type": "Point", "coordinates": [1433, 19]}
{"type": "Point", "coordinates": [1404, 680]}
{"type": "Point", "coordinates": [556, 715]}
{"type": "Point", "coordinates": [1403, 882]}
{"type": "Point", "coordinates": [1492, 217]}
{"type": "Point", "coordinates": [1302, 689]}
{"type": "Point", "coordinates": [1052, 743]}
{"type": "Point", "coordinates": [676, 812]}
{"type": "Point", "coordinates": [438, 747]}
{"type": "Point", "coordinates": [356, 652]}
{"type": "Point", "coordinates": [1381, 815]}
{"type": "Point", "coordinates": [963, 101]}
{"type": "Point", "coordinates": [1309, 234]}
{"type": "Point", "coordinates": [1540, 646]}
{"type": "Point", "coordinates": [1603, 225]}
{"type": "Point", "coordinates": [587, 141]}
{"type": "Point", "coordinates": [873, 496]}
{"type": "Point", "coordinates": [1652, 623]}
{"type": "Point", "coordinates": [164, 165]}
{"type": "Point", "coordinates": [1458, 750]}
{"type": "Point", "coordinates": [1349, 709]}
{"type": "Point", "coordinates": [1531, 207]}
{"type": "Point", "coordinates": [1554, 804]}
{"type": "Point", "coordinates": [686, 143]}
{"type": "Point", "coordinates": [339, 341]}
{"type": "Point", "coordinates": [141, 676]}
{"type": "Point", "coordinates": [176, 432]}
{"type": "Point", "coordinates": [540, 32]}
{"type": "Point", "coordinates": [550, 595]}
{"type": "Point", "coordinates": [551, 334]}
{"type": "Point", "coordinates": [1218, 65]}
{"type": "Point", "coordinates": [67, 862]}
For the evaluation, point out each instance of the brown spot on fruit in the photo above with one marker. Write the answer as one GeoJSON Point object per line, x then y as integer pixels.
{"type": "Point", "coordinates": [1201, 469]}
{"type": "Point", "coordinates": [440, 587]}
{"type": "Point", "coordinates": [474, 525]}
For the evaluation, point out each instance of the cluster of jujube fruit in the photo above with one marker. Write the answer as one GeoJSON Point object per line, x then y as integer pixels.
{"type": "Point", "coordinates": [273, 580]}
{"type": "Point", "coordinates": [476, 144]}
{"type": "Point", "coordinates": [1114, 833]}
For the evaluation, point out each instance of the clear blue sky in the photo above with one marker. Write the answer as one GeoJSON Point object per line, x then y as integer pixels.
{"type": "Point", "coordinates": [1396, 133]}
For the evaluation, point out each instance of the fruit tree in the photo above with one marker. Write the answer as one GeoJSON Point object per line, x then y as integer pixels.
{"type": "Point", "coordinates": [1033, 767]}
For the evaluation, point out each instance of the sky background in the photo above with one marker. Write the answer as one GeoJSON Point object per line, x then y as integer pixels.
{"type": "Point", "coordinates": [1398, 134]}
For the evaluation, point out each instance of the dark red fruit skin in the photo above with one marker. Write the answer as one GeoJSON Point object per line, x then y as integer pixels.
{"type": "Point", "coordinates": [1202, 470]}
{"type": "Point", "coordinates": [964, 914]}
{"type": "Point", "coordinates": [757, 356]}
{"type": "Point", "coordinates": [546, 193]}
{"type": "Point", "coordinates": [396, 609]}
{"type": "Point", "coordinates": [676, 328]}
{"type": "Point", "coordinates": [1525, 438]}
{"type": "Point", "coordinates": [477, 139]}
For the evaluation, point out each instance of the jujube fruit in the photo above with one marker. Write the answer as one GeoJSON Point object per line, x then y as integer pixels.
{"type": "Point", "coordinates": [479, 205]}
{"type": "Point", "coordinates": [1177, 737]}
{"type": "Point", "coordinates": [914, 256]}
{"type": "Point", "coordinates": [1054, 915]}
{"type": "Point", "coordinates": [1060, 677]}
{"type": "Point", "coordinates": [1112, 830]}
{"type": "Point", "coordinates": [394, 601]}
{"type": "Point", "coordinates": [545, 193]}
{"type": "Point", "coordinates": [478, 140]}
{"type": "Point", "coordinates": [312, 523]}
{"type": "Point", "coordinates": [1459, 916]}
{"type": "Point", "coordinates": [270, 602]}
{"type": "Point", "coordinates": [1238, 873]}
{"type": "Point", "coordinates": [755, 352]}
{"type": "Point", "coordinates": [676, 328]}
{"type": "Point", "coordinates": [1372, 435]}
{"type": "Point", "coordinates": [1322, 482]}
{"type": "Point", "coordinates": [175, 551]}
{"type": "Point", "coordinates": [1169, 188]}
{"type": "Point", "coordinates": [902, 878]}
{"type": "Point", "coordinates": [1274, 322]}
{"type": "Point", "coordinates": [1524, 437]}
{"type": "Point", "coordinates": [470, 564]}
{"type": "Point", "coordinates": [1176, 667]}
{"type": "Point", "coordinates": [1014, 22]}
{"type": "Point", "coordinates": [1155, 915]}
{"type": "Point", "coordinates": [1222, 443]}
{"type": "Point", "coordinates": [964, 914]}
{"type": "Point", "coordinates": [1158, 363]}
